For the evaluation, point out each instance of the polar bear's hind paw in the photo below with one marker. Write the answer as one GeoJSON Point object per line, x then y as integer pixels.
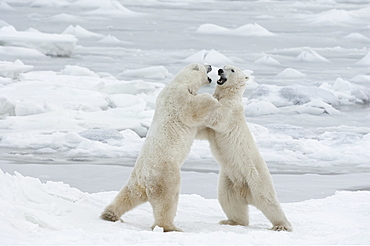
{"type": "Point", "coordinates": [281, 228]}
{"type": "Point", "coordinates": [110, 216]}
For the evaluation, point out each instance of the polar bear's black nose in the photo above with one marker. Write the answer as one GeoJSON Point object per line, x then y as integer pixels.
{"type": "Point", "coordinates": [220, 71]}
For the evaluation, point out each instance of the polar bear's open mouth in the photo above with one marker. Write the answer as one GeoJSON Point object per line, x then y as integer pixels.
{"type": "Point", "coordinates": [222, 78]}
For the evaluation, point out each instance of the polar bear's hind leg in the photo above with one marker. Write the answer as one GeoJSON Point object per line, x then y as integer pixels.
{"type": "Point", "coordinates": [233, 204]}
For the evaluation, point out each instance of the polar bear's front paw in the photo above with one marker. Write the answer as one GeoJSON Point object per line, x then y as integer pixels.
{"type": "Point", "coordinates": [110, 216]}
{"type": "Point", "coordinates": [231, 222]}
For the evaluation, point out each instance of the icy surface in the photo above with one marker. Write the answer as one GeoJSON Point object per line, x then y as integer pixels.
{"type": "Point", "coordinates": [53, 212]}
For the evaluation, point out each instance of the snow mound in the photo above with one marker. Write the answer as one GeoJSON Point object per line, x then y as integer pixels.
{"type": "Point", "coordinates": [48, 44]}
{"type": "Point", "coordinates": [246, 30]}
{"type": "Point", "coordinates": [111, 8]}
{"type": "Point", "coordinates": [267, 60]}
{"type": "Point", "coordinates": [209, 57]}
{"type": "Point", "coordinates": [81, 33]}
{"type": "Point", "coordinates": [13, 69]}
{"type": "Point", "coordinates": [357, 37]}
{"type": "Point", "coordinates": [365, 61]}
{"type": "Point", "coordinates": [290, 73]}
{"type": "Point", "coordinates": [54, 213]}
{"type": "Point", "coordinates": [111, 40]}
{"type": "Point", "coordinates": [155, 72]}
{"type": "Point", "coordinates": [310, 56]}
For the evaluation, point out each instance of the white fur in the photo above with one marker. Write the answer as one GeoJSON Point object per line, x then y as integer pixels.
{"type": "Point", "coordinates": [156, 175]}
{"type": "Point", "coordinates": [244, 175]}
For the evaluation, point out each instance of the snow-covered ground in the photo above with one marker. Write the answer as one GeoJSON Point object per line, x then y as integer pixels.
{"type": "Point", "coordinates": [78, 84]}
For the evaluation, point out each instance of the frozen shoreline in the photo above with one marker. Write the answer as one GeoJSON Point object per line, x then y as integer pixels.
{"type": "Point", "coordinates": [101, 177]}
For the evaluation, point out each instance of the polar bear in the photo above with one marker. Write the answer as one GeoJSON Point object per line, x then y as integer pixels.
{"type": "Point", "coordinates": [156, 175]}
{"type": "Point", "coordinates": [244, 176]}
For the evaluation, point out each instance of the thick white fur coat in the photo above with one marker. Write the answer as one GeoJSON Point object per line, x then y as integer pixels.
{"type": "Point", "coordinates": [244, 175]}
{"type": "Point", "coordinates": [156, 175]}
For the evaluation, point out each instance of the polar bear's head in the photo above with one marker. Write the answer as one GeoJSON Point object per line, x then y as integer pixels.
{"type": "Point", "coordinates": [201, 69]}
{"type": "Point", "coordinates": [193, 76]}
{"type": "Point", "coordinates": [231, 76]}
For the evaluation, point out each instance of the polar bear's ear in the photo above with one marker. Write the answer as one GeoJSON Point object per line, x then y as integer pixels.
{"type": "Point", "coordinates": [196, 67]}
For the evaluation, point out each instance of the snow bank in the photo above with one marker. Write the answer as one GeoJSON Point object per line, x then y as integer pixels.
{"type": "Point", "coordinates": [54, 213]}
{"type": "Point", "coordinates": [48, 44]}
{"type": "Point", "coordinates": [246, 30]}
{"type": "Point", "coordinates": [212, 57]}
{"type": "Point", "coordinates": [13, 69]}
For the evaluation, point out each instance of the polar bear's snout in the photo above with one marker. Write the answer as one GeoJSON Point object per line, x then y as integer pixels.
{"type": "Point", "coordinates": [222, 78]}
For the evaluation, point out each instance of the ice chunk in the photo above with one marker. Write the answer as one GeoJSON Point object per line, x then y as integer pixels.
{"type": "Point", "coordinates": [48, 44]}
{"type": "Point", "coordinates": [28, 108]}
{"type": "Point", "coordinates": [6, 107]}
{"type": "Point", "coordinates": [348, 92]}
{"type": "Point", "coordinates": [257, 107]}
{"type": "Point", "coordinates": [101, 135]}
{"type": "Point", "coordinates": [78, 71]}
{"type": "Point", "coordinates": [316, 107]}
{"type": "Point", "coordinates": [13, 69]}
{"type": "Point", "coordinates": [155, 72]}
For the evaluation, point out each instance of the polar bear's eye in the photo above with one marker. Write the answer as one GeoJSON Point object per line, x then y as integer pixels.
{"type": "Point", "coordinates": [232, 70]}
